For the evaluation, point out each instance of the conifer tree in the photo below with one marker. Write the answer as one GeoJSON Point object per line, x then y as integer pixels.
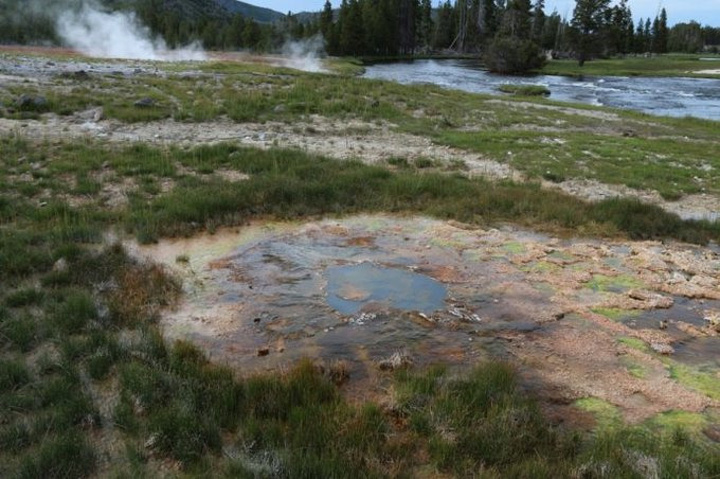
{"type": "Point", "coordinates": [538, 20]}
{"type": "Point", "coordinates": [588, 22]}
{"type": "Point", "coordinates": [661, 36]}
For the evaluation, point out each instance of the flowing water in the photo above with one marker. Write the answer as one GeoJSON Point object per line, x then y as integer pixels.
{"type": "Point", "coordinates": [658, 96]}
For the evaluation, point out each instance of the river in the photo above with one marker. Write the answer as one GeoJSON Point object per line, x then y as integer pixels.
{"type": "Point", "coordinates": [666, 96]}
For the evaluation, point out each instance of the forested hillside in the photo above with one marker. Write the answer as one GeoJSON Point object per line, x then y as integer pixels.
{"type": "Point", "coordinates": [597, 28]}
{"type": "Point", "coordinates": [217, 24]}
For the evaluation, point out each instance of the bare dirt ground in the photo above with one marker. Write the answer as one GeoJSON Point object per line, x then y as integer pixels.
{"type": "Point", "coordinates": [589, 319]}
{"type": "Point", "coordinates": [368, 142]}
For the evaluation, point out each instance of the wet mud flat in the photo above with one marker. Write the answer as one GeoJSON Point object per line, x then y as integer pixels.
{"type": "Point", "coordinates": [632, 324]}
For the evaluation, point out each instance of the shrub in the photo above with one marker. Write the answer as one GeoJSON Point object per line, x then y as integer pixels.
{"type": "Point", "coordinates": [65, 456]}
{"type": "Point", "coordinates": [75, 312]}
{"type": "Point", "coordinates": [513, 56]}
{"type": "Point", "coordinates": [183, 435]}
{"type": "Point", "coordinates": [12, 375]}
{"type": "Point", "coordinates": [525, 90]}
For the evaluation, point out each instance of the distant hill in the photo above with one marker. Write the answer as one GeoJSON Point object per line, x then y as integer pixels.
{"type": "Point", "coordinates": [259, 14]}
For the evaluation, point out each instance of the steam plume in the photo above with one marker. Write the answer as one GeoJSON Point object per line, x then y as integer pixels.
{"type": "Point", "coordinates": [117, 35]}
{"type": "Point", "coordinates": [304, 54]}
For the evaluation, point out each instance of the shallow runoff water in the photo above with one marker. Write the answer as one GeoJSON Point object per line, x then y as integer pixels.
{"type": "Point", "coordinates": [677, 97]}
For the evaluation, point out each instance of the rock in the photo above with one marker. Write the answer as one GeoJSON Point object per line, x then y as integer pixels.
{"type": "Point", "coordinates": [60, 265]}
{"type": "Point", "coordinates": [712, 432]}
{"type": "Point", "coordinates": [655, 301]}
{"type": "Point", "coordinates": [92, 115]}
{"type": "Point", "coordinates": [661, 348]}
{"type": "Point", "coordinates": [263, 351]}
{"type": "Point", "coordinates": [280, 108]}
{"type": "Point", "coordinates": [146, 102]}
{"type": "Point", "coordinates": [713, 317]}
{"type": "Point", "coordinates": [396, 361]}
{"type": "Point", "coordinates": [31, 103]}
{"type": "Point", "coordinates": [152, 441]}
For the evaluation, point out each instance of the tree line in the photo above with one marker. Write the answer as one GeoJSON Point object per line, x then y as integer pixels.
{"type": "Point", "coordinates": [397, 27]}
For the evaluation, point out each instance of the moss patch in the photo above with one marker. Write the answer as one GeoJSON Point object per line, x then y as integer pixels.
{"type": "Point", "coordinates": [622, 282]}
{"type": "Point", "coordinates": [702, 381]}
{"type": "Point", "coordinates": [692, 422]}
{"type": "Point", "coordinates": [635, 368]}
{"type": "Point", "coordinates": [616, 314]}
{"type": "Point", "coordinates": [514, 247]}
{"type": "Point", "coordinates": [606, 414]}
{"type": "Point", "coordinates": [634, 343]}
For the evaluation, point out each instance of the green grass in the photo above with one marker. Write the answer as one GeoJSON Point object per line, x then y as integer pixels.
{"type": "Point", "coordinates": [78, 319]}
{"type": "Point", "coordinates": [672, 156]}
{"type": "Point", "coordinates": [291, 184]}
{"type": "Point", "coordinates": [525, 90]}
{"type": "Point", "coordinates": [607, 415]}
{"type": "Point", "coordinates": [656, 65]}
{"type": "Point", "coordinates": [634, 343]}
{"type": "Point", "coordinates": [695, 378]}
{"type": "Point", "coordinates": [619, 283]}
{"type": "Point", "coordinates": [616, 314]}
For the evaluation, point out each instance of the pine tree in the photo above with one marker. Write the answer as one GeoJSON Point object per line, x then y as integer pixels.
{"type": "Point", "coordinates": [446, 28]}
{"type": "Point", "coordinates": [426, 23]}
{"type": "Point", "coordinates": [352, 39]}
{"type": "Point", "coordinates": [538, 20]}
{"type": "Point", "coordinates": [588, 22]}
{"type": "Point", "coordinates": [661, 39]}
{"type": "Point", "coordinates": [517, 20]}
{"type": "Point", "coordinates": [326, 19]}
{"type": "Point", "coordinates": [407, 15]}
{"type": "Point", "coordinates": [513, 51]}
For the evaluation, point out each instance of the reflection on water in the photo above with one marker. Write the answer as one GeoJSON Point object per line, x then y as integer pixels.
{"type": "Point", "coordinates": [351, 287]}
{"type": "Point", "coordinates": [658, 96]}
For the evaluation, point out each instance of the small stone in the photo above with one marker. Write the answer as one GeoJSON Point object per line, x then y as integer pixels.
{"type": "Point", "coordinates": [664, 349]}
{"type": "Point", "coordinates": [144, 102]}
{"type": "Point", "coordinates": [32, 103]}
{"type": "Point", "coordinates": [152, 441]}
{"type": "Point", "coordinates": [60, 265]}
{"type": "Point", "coordinates": [263, 351]}
{"type": "Point", "coordinates": [81, 75]}
{"type": "Point", "coordinates": [396, 361]}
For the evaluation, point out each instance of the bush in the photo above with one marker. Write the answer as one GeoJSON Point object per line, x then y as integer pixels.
{"type": "Point", "coordinates": [513, 56]}
{"type": "Point", "coordinates": [66, 456]}
{"type": "Point", "coordinates": [75, 312]}
{"type": "Point", "coordinates": [13, 374]}
{"type": "Point", "coordinates": [184, 435]}
{"type": "Point", "coordinates": [525, 90]}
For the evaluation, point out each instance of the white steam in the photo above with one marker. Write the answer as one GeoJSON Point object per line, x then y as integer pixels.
{"type": "Point", "coordinates": [304, 54]}
{"type": "Point", "coordinates": [117, 35]}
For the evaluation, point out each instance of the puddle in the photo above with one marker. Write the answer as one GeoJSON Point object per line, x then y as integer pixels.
{"type": "Point", "coordinates": [363, 288]}
{"type": "Point", "coordinates": [350, 288]}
